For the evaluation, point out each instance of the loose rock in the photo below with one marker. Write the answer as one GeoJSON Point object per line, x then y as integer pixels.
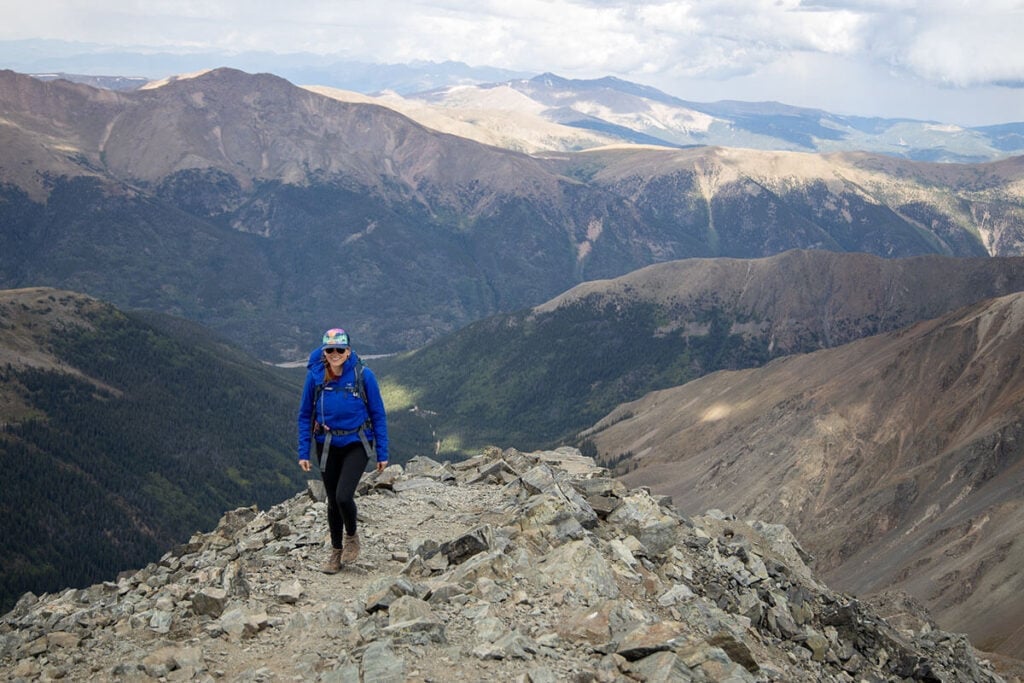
{"type": "Point", "coordinates": [508, 566]}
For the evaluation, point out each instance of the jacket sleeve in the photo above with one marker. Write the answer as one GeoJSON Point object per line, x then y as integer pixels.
{"type": "Point", "coordinates": [378, 417]}
{"type": "Point", "coordinates": [305, 419]}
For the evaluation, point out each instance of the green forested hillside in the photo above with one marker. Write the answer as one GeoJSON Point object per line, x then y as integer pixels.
{"type": "Point", "coordinates": [122, 435]}
{"type": "Point", "coordinates": [536, 380]}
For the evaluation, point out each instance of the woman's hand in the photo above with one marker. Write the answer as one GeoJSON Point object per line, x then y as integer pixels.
{"type": "Point", "coordinates": [304, 464]}
{"type": "Point", "coordinates": [381, 464]}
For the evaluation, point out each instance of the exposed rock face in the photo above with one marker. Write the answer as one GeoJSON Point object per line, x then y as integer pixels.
{"type": "Point", "coordinates": [509, 566]}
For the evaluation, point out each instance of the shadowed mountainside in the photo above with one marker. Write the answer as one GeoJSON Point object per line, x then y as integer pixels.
{"type": "Point", "coordinates": [123, 433]}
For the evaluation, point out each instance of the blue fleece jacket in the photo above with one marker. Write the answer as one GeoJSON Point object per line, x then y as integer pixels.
{"type": "Point", "coordinates": [339, 407]}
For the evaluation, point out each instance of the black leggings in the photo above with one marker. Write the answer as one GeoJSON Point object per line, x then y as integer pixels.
{"type": "Point", "coordinates": [345, 467]}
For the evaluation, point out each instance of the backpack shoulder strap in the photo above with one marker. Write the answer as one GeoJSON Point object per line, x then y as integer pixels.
{"type": "Point", "coordinates": [360, 386]}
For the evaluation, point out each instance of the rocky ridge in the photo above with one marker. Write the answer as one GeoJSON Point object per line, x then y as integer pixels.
{"type": "Point", "coordinates": [508, 566]}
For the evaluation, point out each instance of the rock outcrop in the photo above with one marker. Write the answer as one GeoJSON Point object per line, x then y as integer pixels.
{"type": "Point", "coordinates": [516, 566]}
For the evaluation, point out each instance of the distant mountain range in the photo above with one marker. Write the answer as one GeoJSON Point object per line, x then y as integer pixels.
{"type": "Point", "coordinates": [549, 113]}
{"type": "Point", "coordinates": [84, 61]}
{"type": "Point", "coordinates": [269, 212]}
{"type": "Point", "coordinates": [530, 112]}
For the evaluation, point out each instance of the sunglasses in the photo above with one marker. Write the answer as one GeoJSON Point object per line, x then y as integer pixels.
{"type": "Point", "coordinates": [336, 350]}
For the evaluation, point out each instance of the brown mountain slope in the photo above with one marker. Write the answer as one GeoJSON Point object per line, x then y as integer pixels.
{"type": "Point", "coordinates": [950, 207]}
{"type": "Point", "coordinates": [704, 201]}
{"type": "Point", "coordinates": [897, 459]}
{"type": "Point", "coordinates": [801, 300]}
{"type": "Point", "coordinates": [252, 127]}
{"type": "Point", "coordinates": [238, 200]}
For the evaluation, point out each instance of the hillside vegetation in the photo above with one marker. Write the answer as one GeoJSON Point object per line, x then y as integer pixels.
{"type": "Point", "coordinates": [538, 377]}
{"type": "Point", "coordinates": [122, 434]}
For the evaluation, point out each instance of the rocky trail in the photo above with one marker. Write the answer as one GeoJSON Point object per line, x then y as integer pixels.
{"type": "Point", "coordinates": [529, 567]}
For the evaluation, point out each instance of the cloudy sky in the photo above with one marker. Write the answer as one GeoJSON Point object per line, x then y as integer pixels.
{"type": "Point", "coordinates": [956, 61]}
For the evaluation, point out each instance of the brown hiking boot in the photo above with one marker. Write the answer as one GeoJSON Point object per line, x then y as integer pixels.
{"type": "Point", "coordinates": [333, 563]}
{"type": "Point", "coordinates": [351, 550]}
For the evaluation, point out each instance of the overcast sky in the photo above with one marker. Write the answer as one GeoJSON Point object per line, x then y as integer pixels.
{"type": "Point", "coordinates": [956, 61]}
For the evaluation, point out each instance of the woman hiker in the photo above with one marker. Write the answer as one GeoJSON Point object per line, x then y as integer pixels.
{"type": "Point", "coordinates": [342, 410]}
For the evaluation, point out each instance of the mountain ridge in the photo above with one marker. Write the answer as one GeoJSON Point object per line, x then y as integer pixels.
{"type": "Point", "coordinates": [609, 341]}
{"type": "Point", "coordinates": [630, 112]}
{"type": "Point", "coordinates": [743, 123]}
{"type": "Point", "coordinates": [282, 191]}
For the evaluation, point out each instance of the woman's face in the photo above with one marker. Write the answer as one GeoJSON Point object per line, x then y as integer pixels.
{"type": "Point", "coordinates": [336, 357]}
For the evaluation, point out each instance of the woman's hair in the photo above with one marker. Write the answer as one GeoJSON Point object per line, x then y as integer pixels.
{"type": "Point", "coordinates": [328, 375]}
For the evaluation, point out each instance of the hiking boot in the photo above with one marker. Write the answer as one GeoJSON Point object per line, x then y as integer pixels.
{"type": "Point", "coordinates": [351, 550]}
{"type": "Point", "coordinates": [333, 563]}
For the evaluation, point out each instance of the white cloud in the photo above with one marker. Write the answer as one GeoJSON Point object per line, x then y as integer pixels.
{"type": "Point", "coordinates": [969, 49]}
{"type": "Point", "coordinates": [805, 47]}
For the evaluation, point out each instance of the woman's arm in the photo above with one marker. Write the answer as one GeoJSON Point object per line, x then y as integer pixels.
{"type": "Point", "coordinates": [305, 418]}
